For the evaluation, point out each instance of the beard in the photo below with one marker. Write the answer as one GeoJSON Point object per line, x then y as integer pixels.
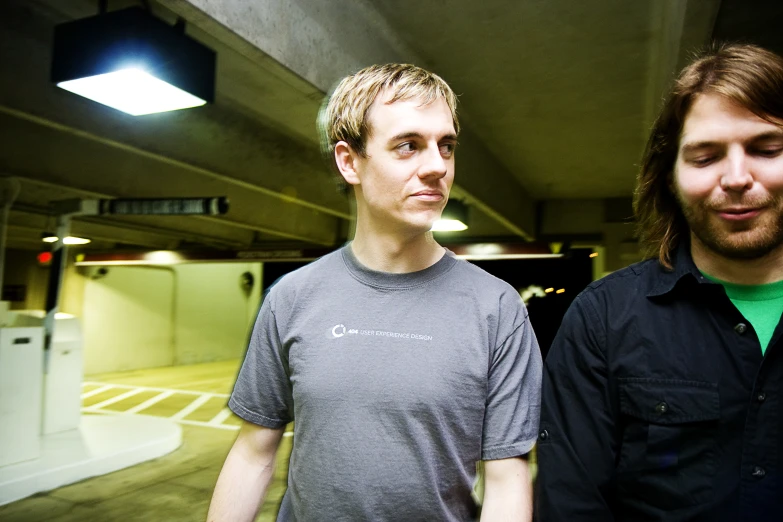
{"type": "Point", "coordinates": [749, 239]}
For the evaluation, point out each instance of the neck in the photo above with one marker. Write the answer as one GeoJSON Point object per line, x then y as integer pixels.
{"type": "Point", "coordinates": [386, 251]}
{"type": "Point", "coordinates": [763, 270]}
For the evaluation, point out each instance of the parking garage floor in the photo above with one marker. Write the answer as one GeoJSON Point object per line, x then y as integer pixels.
{"type": "Point", "coordinates": [174, 488]}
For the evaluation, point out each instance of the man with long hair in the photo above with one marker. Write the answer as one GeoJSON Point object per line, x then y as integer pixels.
{"type": "Point", "coordinates": [663, 391]}
{"type": "Point", "coordinates": [402, 365]}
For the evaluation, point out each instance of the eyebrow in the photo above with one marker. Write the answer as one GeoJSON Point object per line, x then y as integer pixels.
{"type": "Point", "coordinates": [408, 135]}
{"type": "Point", "coordinates": [698, 145]}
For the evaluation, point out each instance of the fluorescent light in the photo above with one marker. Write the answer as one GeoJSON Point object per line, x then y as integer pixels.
{"type": "Point", "coordinates": [133, 91]}
{"type": "Point", "coordinates": [448, 225]}
{"type": "Point", "coordinates": [163, 257]}
{"type": "Point", "coordinates": [69, 240]}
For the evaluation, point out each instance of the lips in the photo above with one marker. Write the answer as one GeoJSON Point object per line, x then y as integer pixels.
{"type": "Point", "coordinates": [739, 214]}
{"type": "Point", "coordinates": [428, 195]}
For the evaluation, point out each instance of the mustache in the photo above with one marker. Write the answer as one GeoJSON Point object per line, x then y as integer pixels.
{"type": "Point", "coordinates": [745, 202]}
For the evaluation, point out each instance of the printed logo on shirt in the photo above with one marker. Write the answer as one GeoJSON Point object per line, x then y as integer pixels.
{"type": "Point", "coordinates": [340, 330]}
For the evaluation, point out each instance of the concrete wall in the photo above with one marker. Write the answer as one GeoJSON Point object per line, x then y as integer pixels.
{"type": "Point", "coordinates": [214, 312]}
{"type": "Point", "coordinates": [137, 317]}
{"type": "Point", "coordinates": [127, 320]}
{"type": "Point", "coordinates": [143, 317]}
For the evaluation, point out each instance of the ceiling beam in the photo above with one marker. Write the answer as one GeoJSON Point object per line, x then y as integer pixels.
{"type": "Point", "coordinates": [678, 28]}
{"type": "Point", "coordinates": [40, 219]}
{"type": "Point", "coordinates": [341, 40]}
{"type": "Point", "coordinates": [72, 191]}
{"type": "Point", "coordinates": [286, 197]}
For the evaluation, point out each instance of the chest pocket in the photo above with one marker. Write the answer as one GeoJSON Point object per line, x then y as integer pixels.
{"type": "Point", "coordinates": [668, 453]}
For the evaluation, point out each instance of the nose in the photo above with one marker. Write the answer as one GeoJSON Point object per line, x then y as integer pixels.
{"type": "Point", "coordinates": [737, 176]}
{"type": "Point", "coordinates": [434, 165]}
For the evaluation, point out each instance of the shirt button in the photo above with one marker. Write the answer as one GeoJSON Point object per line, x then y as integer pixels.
{"type": "Point", "coordinates": [759, 472]}
{"type": "Point", "coordinates": [661, 407]}
{"type": "Point", "coordinates": [761, 397]}
{"type": "Point", "coordinates": [544, 435]}
{"type": "Point", "coordinates": [741, 328]}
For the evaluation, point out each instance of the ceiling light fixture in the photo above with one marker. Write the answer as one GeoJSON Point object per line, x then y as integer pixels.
{"type": "Point", "coordinates": [48, 237]}
{"type": "Point", "coordinates": [453, 219]}
{"type": "Point", "coordinates": [131, 61]}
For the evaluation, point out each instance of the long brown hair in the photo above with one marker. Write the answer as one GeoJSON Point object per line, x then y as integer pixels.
{"type": "Point", "coordinates": [746, 74]}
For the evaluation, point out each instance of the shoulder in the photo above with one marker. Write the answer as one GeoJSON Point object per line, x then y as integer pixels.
{"type": "Point", "coordinates": [620, 292]}
{"type": "Point", "coordinates": [638, 275]}
{"type": "Point", "coordinates": [497, 301]}
{"type": "Point", "coordinates": [483, 283]}
{"type": "Point", "coordinates": [305, 277]}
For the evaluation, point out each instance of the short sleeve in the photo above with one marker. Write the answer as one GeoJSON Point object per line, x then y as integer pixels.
{"type": "Point", "coordinates": [513, 393]}
{"type": "Point", "coordinates": [262, 393]}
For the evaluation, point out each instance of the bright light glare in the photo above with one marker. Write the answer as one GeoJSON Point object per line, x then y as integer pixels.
{"type": "Point", "coordinates": [163, 257]}
{"type": "Point", "coordinates": [549, 290]}
{"type": "Point", "coordinates": [70, 240]}
{"type": "Point", "coordinates": [560, 291]}
{"type": "Point", "coordinates": [448, 225]}
{"type": "Point", "coordinates": [594, 254]}
{"type": "Point", "coordinates": [133, 91]}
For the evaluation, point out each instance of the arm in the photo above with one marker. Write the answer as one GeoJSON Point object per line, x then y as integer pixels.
{"type": "Point", "coordinates": [508, 495]}
{"type": "Point", "coordinates": [243, 481]}
{"type": "Point", "coordinates": [577, 442]}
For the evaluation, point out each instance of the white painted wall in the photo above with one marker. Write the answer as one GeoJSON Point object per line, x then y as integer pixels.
{"type": "Point", "coordinates": [214, 312]}
{"type": "Point", "coordinates": [127, 320]}
{"type": "Point", "coordinates": [144, 317]}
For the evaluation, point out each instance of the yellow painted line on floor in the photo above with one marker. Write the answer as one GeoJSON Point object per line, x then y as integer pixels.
{"type": "Point", "coordinates": [220, 417]}
{"type": "Point", "coordinates": [150, 388]}
{"type": "Point", "coordinates": [96, 391]}
{"type": "Point", "coordinates": [181, 421]}
{"type": "Point", "coordinates": [190, 408]}
{"type": "Point", "coordinates": [170, 406]}
{"type": "Point", "coordinates": [118, 398]}
{"type": "Point", "coordinates": [132, 402]}
{"type": "Point", "coordinates": [100, 397]}
{"type": "Point", "coordinates": [207, 411]}
{"type": "Point", "coordinates": [154, 400]}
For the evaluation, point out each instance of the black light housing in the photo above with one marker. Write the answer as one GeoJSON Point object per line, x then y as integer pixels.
{"type": "Point", "coordinates": [132, 45]}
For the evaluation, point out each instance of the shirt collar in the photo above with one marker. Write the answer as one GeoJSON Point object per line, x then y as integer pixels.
{"type": "Point", "coordinates": [683, 270]}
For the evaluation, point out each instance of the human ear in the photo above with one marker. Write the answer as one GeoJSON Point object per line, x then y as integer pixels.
{"type": "Point", "coordinates": [347, 162]}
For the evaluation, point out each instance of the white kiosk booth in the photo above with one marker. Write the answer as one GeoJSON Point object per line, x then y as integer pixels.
{"type": "Point", "coordinates": [45, 441]}
{"type": "Point", "coordinates": [21, 391]}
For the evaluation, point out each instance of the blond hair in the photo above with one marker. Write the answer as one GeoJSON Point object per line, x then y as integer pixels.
{"type": "Point", "coordinates": [746, 74]}
{"type": "Point", "coordinates": [345, 115]}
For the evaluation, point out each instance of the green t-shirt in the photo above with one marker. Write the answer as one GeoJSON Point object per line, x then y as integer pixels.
{"type": "Point", "coordinates": [762, 305]}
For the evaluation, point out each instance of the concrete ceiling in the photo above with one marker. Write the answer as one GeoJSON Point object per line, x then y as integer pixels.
{"type": "Point", "coordinates": [556, 97]}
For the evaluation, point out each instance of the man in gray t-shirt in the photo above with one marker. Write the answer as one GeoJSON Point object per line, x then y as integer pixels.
{"type": "Point", "coordinates": [402, 365]}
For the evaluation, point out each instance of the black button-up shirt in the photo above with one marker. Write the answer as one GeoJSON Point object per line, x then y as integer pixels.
{"type": "Point", "coordinates": [658, 405]}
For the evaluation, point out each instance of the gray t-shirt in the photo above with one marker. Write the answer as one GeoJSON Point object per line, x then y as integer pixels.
{"type": "Point", "coordinates": [399, 384]}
